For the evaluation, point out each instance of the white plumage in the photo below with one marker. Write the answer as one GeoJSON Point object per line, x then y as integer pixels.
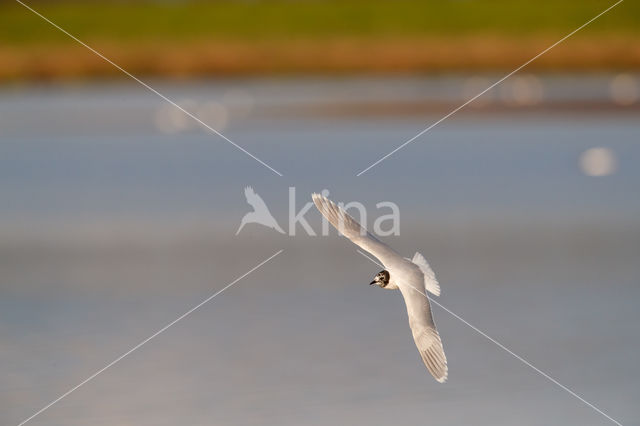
{"type": "Point", "coordinates": [413, 277]}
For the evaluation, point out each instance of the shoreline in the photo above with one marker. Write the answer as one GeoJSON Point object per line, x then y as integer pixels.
{"type": "Point", "coordinates": [398, 55]}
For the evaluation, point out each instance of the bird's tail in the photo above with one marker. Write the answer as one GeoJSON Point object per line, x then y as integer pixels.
{"type": "Point", "coordinates": [430, 281]}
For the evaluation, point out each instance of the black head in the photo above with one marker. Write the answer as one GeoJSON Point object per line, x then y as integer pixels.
{"type": "Point", "coordinates": [381, 280]}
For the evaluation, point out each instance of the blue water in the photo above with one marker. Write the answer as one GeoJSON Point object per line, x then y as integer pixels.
{"type": "Point", "coordinates": [111, 228]}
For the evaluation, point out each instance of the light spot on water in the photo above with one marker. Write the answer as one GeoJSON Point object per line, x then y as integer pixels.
{"type": "Point", "coordinates": [214, 114]}
{"type": "Point", "coordinates": [598, 161]}
{"type": "Point", "coordinates": [170, 119]}
{"type": "Point", "coordinates": [624, 89]}
{"type": "Point", "coordinates": [523, 90]}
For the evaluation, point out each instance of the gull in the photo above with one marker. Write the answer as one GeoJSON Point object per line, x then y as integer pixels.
{"type": "Point", "coordinates": [413, 277]}
{"type": "Point", "coordinates": [260, 213]}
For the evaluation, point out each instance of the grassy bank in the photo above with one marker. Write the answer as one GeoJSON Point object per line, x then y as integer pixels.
{"type": "Point", "coordinates": [187, 38]}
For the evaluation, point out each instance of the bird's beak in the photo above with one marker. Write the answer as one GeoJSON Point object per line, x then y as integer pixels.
{"type": "Point", "coordinates": [372, 282]}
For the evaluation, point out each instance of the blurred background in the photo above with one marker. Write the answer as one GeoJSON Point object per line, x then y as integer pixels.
{"type": "Point", "coordinates": [118, 213]}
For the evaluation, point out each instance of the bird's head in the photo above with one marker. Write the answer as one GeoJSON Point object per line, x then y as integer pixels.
{"type": "Point", "coordinates": [381, 279]}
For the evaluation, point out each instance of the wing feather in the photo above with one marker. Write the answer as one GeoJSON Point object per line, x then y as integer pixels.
{"type": "Point", "coordinates": [410, 278]}
{"type": "Point", "coordinates": [425, 334]}
{"type": "Point", "coordinates": [351, 229]}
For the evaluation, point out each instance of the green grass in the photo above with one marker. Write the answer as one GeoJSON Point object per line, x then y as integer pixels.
{"type": "Point", "coordinates": [251, 20]}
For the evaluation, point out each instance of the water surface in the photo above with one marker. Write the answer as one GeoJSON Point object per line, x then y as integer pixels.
{"type": "Point", "coordinates": [112, 226]}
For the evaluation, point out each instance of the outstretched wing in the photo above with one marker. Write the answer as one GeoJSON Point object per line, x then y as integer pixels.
{"type": "Point", "coordinates": [351, 229]}
{"type": "Point", "coordinates": [424, 332]}
{"type": "Point", "coordinates": [421, 321]}
{"type": "Point", "coordinates": [254, 200]}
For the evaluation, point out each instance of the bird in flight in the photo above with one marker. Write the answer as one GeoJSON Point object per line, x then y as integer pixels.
{"type": "Point", "coordinates": [260, 213]}
{"type": "Point", "coordinates": [413, 277]}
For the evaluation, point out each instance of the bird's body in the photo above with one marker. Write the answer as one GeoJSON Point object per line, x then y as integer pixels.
{"type": "Point", "coordinates": [413, 277]}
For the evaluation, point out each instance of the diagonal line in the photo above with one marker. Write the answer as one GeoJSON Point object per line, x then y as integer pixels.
{"type": "Point", "coordinates": [503, 347]}
{"type": "Point", "coordinates": [407, 142]}
{"type": "Point", "coordinates": [88, 379]}
{"type": "Point", "coordinates": [202, 123]}
{"type": "Point", "coordinates": [524, 361]}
